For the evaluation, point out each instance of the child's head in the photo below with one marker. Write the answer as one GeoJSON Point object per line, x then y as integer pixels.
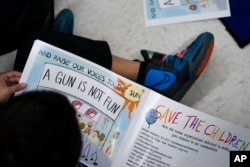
{"type": "Point", "coordinates": [39, 129]}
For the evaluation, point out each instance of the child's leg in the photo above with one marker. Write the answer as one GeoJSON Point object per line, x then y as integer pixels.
{"type": "Point", "coordinates": [93, 50]}
{"type": "Point", "coordinates": [127, 68]}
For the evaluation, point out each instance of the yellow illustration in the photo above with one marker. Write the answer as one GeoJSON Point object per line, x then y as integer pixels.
{"type": "Point", "coordinates": [131, 93]}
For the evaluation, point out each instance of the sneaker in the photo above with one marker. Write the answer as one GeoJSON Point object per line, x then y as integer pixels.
{"type": "Point", "coordinates": [64, 22]}
{"type": "Point", "coordinates": [173, 75]}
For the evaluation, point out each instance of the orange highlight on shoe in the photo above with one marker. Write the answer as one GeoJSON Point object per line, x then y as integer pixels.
{"type": "Point", "coordinates": [206, 59]}
{"type": "Point", "coordinates": [182, 54]}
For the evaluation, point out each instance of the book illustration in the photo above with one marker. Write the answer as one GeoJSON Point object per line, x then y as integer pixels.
{"type": "Point", "coordinates": [100, 131]}
{"type": "Point", "coordinates": [172, 3]}
{"type": "Point", "coordinates": [152, 116]}
{"type": "Point", "coordinates": [159, 12]}
{"type": "Point", "coordinates": [109, 149]}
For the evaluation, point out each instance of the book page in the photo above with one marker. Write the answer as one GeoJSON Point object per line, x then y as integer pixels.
{"type": "Point", "coordinates": [158, 12]}
{"type": "Point", "coordinates": [105, 102]}
{"type": "Point", "coordinates": [168, 134]}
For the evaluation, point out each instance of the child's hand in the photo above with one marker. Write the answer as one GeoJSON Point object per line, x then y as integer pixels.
{"type": "Point", "coordinates": [9, 84]}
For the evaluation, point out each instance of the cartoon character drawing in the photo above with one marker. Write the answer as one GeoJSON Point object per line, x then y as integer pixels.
{"type": "Point", "coordinates": [82, 127]}
{"type": "Point", "coordinates": [91, 113]}
{"type": "Point", "coordinates": [105, 122]}
{"type": "Point", "coordinates": [85, 133]}
{"type": "Point", "coordinates": [77, 104]}
{"type": "Point", "coordinates": [100, 143]}
{"type": "Point", "coordinates": [89, 128]}
{"type": "Point", "coordinates": [92, 139]}
{"type": "Point", "coordinates": [193, 7]}
{"type": "Point", "coordinates": [109, 149]}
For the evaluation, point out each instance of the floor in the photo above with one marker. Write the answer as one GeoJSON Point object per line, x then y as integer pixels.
{"type": "Point", "coordinates": [223, 88]}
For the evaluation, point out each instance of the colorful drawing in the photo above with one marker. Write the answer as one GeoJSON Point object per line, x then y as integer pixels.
{"type": "Point", "coordinates": [105, 122]}
{"type": "Point", "coordinates": [109, 149]}
{"type": "Point", "coordinates": [94, 155]}
{"type": "Point", "coordinates": [159, 12]}
{"type": "Point", "coordinates": [151, 116]}
{"type": "Point", "coordinates": [131, 93]}
{"type": "Point", "coordinates": [82, 127]}
{"type": "Point", "coordinates": [89, 128]}
{"type": "Point", "coordinates": [77, 104]}
{"type": "Point", "coordinates": [91, 113]}
{"type": "Point", "coordinates": [174, 3]}
{"type": "Point", "coordinates": [93, 138]}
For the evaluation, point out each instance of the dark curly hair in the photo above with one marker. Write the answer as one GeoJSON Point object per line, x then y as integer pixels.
{"type": "Point", "coordinates": [39, 129]}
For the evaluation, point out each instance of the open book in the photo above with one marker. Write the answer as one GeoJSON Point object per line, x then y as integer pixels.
{"type": "Point", "coordinates": [125, 124]}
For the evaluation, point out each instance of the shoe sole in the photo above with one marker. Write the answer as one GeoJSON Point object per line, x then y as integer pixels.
{"type": "Point", "coordinates": [207, 46]}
